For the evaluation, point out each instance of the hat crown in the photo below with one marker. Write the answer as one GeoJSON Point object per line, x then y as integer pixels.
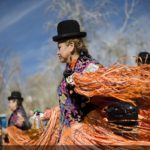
{"type": "Point", "coordinates": [68, 29]}
{"type": "Point", "coordinates": [68, 26]}
{"type": "Point", "coordinates": [15, 95]}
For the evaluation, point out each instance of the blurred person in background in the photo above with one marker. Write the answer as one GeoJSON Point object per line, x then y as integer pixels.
{"type": "Point", "coordinates": [18, 117]}
{"type": "Point", "coordinates": [143, 58]}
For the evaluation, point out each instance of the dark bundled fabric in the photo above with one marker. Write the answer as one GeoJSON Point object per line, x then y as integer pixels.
{"type": "Point", "coordinates": [123, 113]}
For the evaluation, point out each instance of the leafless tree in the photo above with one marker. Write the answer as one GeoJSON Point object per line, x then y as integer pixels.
{"type": "Point", "coordinates": [105, 41]}
{"type": "Point", "coordinates": [9, 77]}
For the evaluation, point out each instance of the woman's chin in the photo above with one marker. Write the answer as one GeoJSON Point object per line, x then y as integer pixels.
{"type": "Point", "coordinates": [62, 60]}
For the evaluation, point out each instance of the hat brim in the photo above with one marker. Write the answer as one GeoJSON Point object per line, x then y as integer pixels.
{"type": "Point", "coordinates": [69, 36]}
{"type": "Point", "coordinates": [18, 98]}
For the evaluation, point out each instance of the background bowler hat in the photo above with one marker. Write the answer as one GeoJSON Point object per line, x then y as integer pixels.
{"type": "Point", "coordinates": [68, 29]}
{"type": "Point", "coordinates": [15, 95]}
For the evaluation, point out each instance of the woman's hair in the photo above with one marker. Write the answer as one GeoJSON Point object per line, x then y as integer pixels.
{"type": "Point", "coordinates": [19, 102]}
{"type": "Point", "coordinates": [79, 44]}
{"type": "Point", "coordinates": [143, 58]}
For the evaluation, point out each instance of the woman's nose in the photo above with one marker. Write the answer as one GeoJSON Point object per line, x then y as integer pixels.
{"type": "Point", "coordinates": [57, 52]}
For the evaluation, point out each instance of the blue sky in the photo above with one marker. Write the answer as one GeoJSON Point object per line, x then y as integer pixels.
{"type": "Point", "coordinates": [23, 33]}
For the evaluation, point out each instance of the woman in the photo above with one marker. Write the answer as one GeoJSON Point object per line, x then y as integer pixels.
{"type": "Point", "coordinates": [73, 52]}
{"type": "Point", "coordinates": [18, 117]}
{"type": "Point", "coordinates": [79, 112]}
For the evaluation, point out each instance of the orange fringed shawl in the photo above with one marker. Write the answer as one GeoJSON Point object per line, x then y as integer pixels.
{"type": "Point", "coordinates": [126, 83]}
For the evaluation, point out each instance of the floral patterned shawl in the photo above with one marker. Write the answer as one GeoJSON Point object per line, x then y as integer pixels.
{"type": "Point", "coordinates": [72, 104]}
{"type": "Point", "coordinates": [13, 119]}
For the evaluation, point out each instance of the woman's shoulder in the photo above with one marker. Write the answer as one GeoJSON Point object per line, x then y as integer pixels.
{"type": "Point", "coordinates": [91, 67]}
{"type": "Point", "coordinates": [21, 111]}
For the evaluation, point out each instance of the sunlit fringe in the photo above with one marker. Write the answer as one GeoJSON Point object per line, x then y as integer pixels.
{"type": "Point", "coordinates": [126, 83]}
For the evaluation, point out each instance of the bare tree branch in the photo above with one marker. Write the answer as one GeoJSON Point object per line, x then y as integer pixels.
{"type": "Point", "coordinates": [128, 10]}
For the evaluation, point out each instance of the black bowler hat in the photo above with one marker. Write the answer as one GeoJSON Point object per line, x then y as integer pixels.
{"type": "Point", "coordinates": [15, 95]}
{"type": "Point", "coordinates": [68, 29]}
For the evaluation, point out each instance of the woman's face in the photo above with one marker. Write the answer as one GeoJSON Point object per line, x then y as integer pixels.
{"type": "Point", "coordinates": [64, 52]}
{"type": "Point", "coordinates": [12, 104]}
